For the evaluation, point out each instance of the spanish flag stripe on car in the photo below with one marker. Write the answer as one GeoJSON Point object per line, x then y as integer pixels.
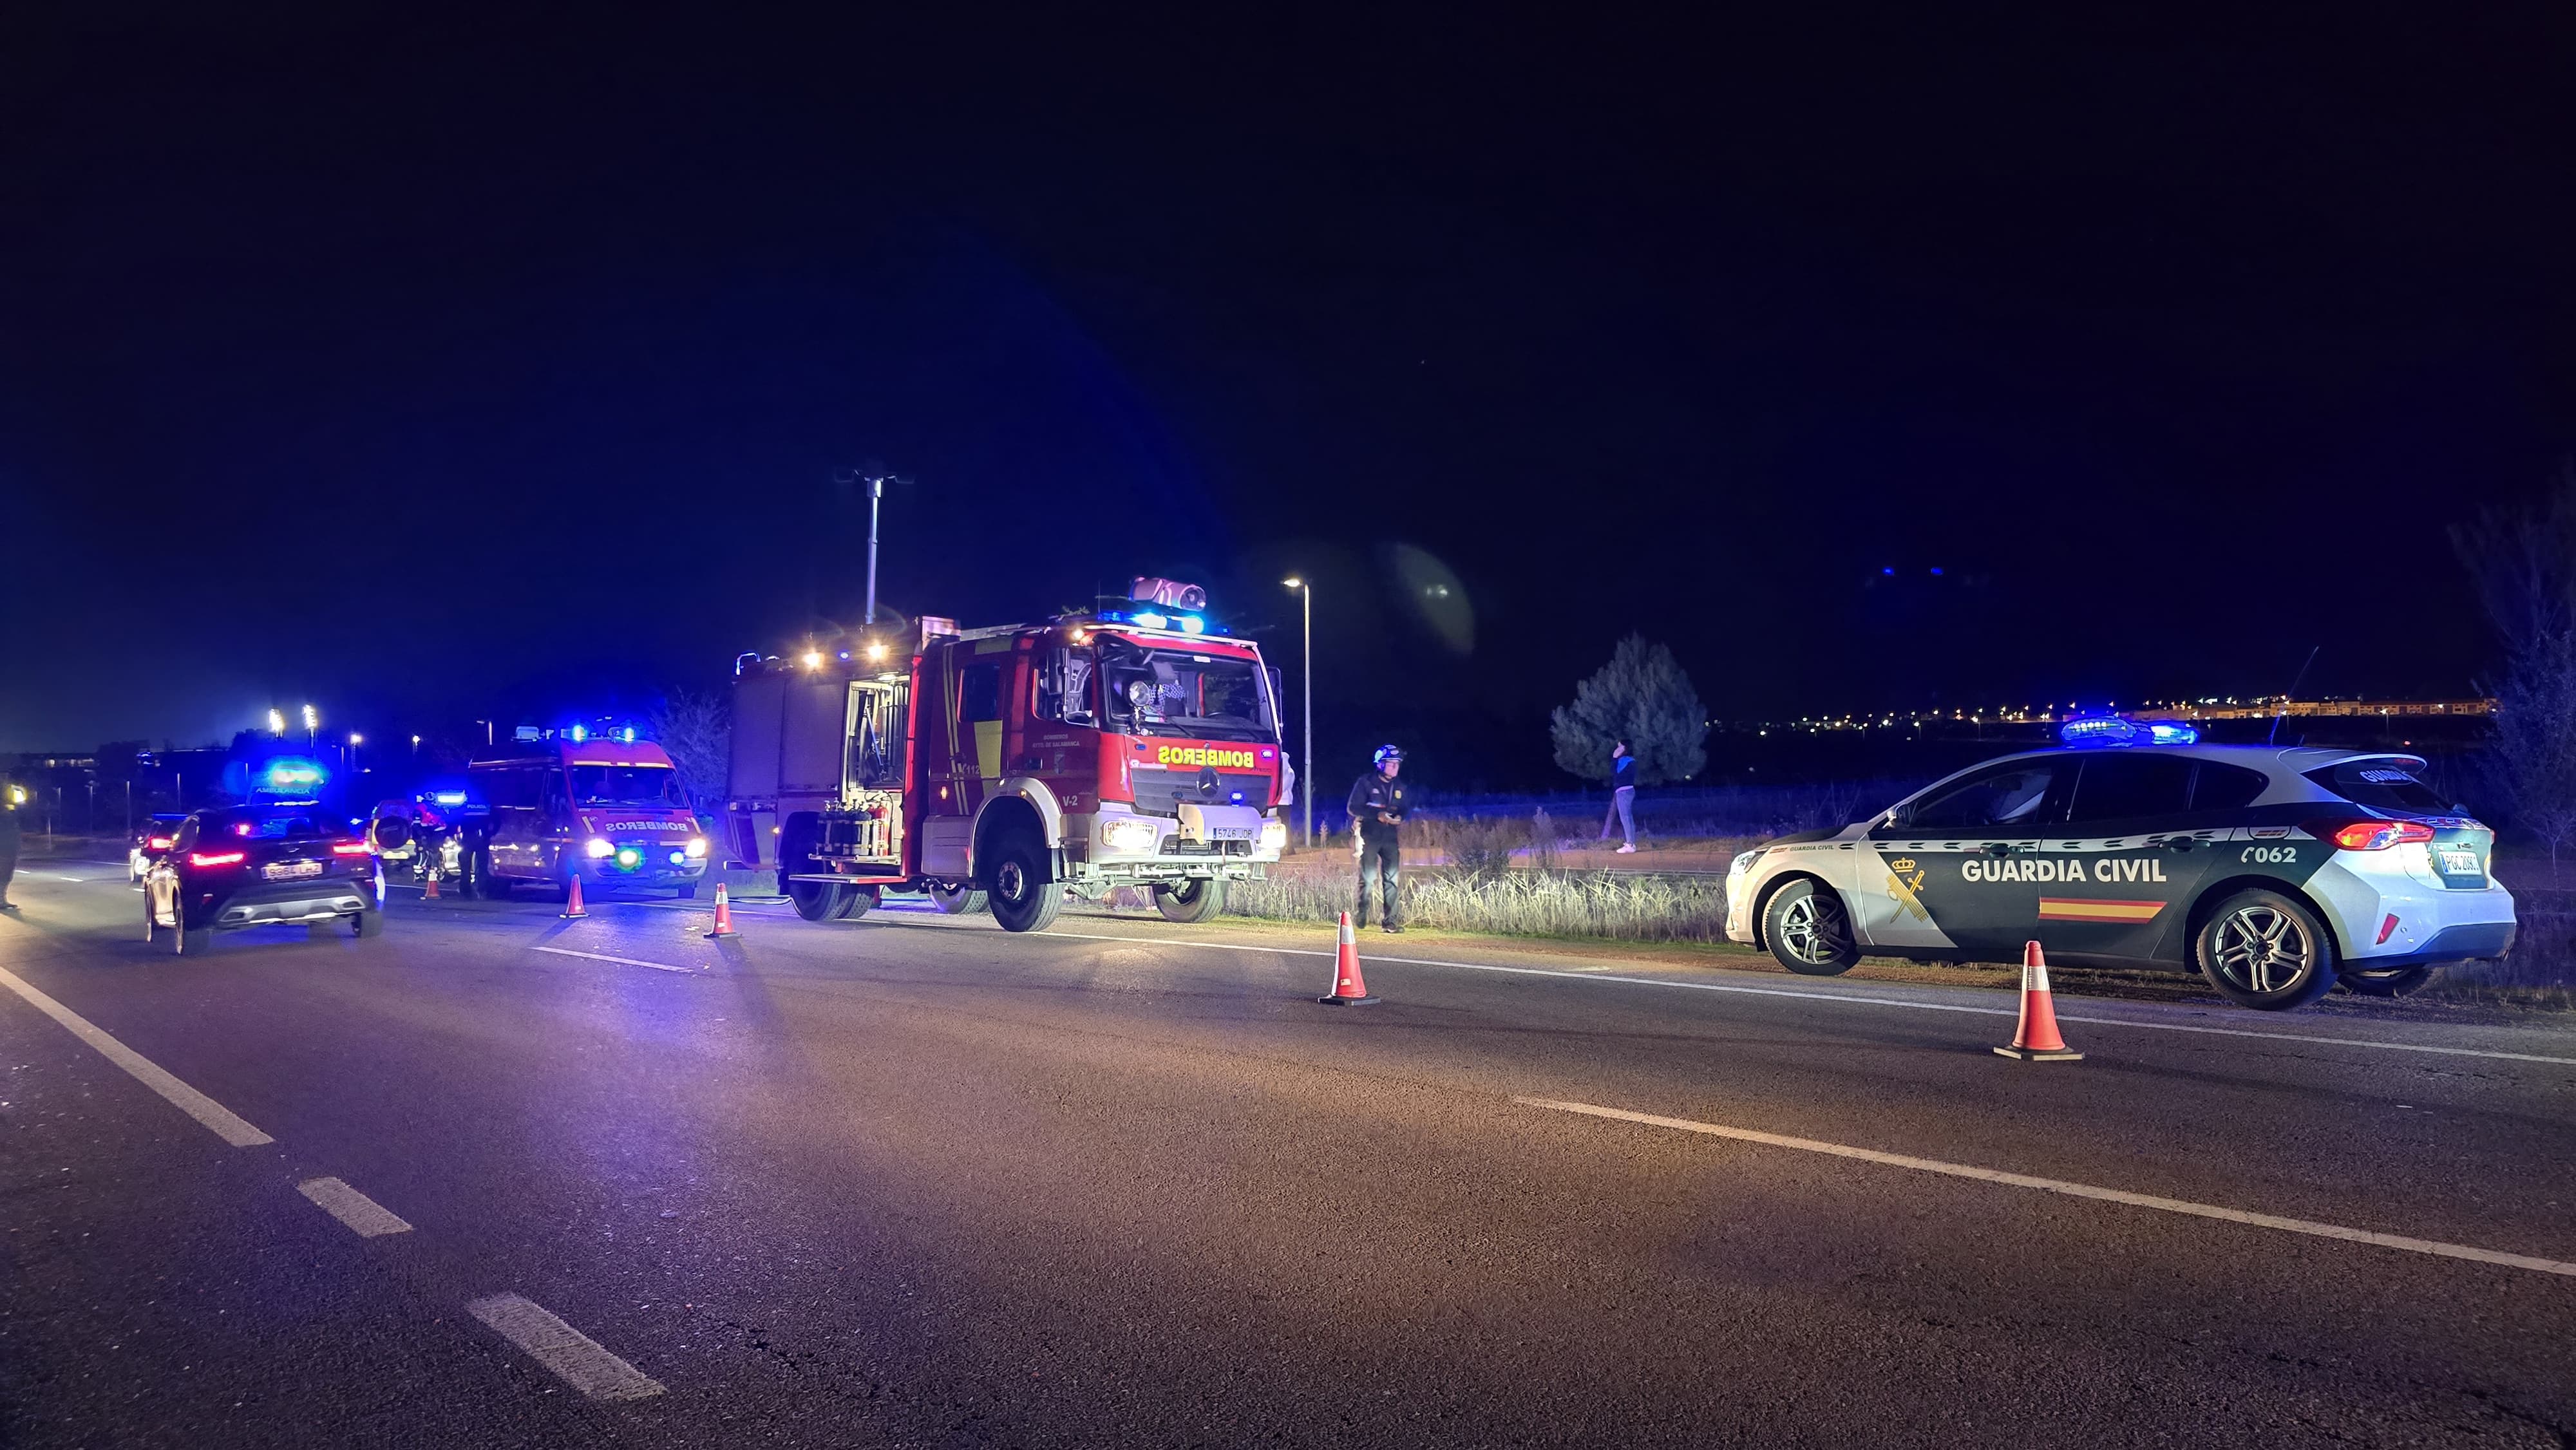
{"type": "Point", "coordinates": [2064, 908]}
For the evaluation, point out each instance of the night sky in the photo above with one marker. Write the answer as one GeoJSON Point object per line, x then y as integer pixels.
{"type": "Point", "coordinates": [428, 375]}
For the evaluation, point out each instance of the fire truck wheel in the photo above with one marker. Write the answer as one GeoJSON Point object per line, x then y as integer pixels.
{"type": "Point", "coordinates": [817, 900]}
{"type": "Point", "coordinates": [856, 902]}
{"type": "Point", "coordinates": [1190, 900]}
{"type": "Point", "coordinates": [1022, 897]}
{"type": "Point", "coordinates": [957, 900]}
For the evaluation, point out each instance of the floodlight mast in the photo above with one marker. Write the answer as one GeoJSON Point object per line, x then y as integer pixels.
{"type": "Point", "coordinates": [876, 483]}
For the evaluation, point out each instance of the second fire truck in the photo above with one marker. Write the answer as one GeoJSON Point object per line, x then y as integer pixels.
{"type": "Point", "coordinates": [1123, 747]}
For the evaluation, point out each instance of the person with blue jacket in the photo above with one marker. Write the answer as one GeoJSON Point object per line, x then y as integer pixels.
{"type": "Point", "coordinates": [1623, 796]}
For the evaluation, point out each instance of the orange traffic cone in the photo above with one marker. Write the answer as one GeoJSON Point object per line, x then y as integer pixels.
{"type": "Point", "coordinates": [1348, 989]}
{"type": "Point", "coordinates": [572, 902]}
{"type": "Point", "coordinates": [724, 914]}
{"type": "Point", "coordinates": [430, 892]}
{"type": "Point", "coordinates": [2035, 1039]}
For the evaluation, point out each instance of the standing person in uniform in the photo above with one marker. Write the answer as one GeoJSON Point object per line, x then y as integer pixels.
{"type": "Point", "coordinates": [1377, 814]}
{"type": "Point", "coordinates": [1623, 796]}
{"type": "Point", "coordinates": [9, 832]}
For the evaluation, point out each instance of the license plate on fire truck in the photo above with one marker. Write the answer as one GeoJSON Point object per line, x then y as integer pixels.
{"type": "Point", "coordinates": [291, 870]}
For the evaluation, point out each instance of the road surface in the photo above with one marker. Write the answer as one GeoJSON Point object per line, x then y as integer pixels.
{"type": "Point", "coordinates": [497, 1178]}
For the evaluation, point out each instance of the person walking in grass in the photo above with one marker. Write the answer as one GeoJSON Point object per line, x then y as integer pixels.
{"type": "Point", "coordinates": [1377, 817]}
{"type": "Point", "coordinates": [1623, 797]}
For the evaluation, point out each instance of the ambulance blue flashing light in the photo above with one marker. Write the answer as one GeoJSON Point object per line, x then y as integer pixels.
{"type": "Point", "coordinates": [449, 797]}
{"type": "Point", "coordinates": [288, 774]}
{"type": "Point", "coordinates": [2094, 731]}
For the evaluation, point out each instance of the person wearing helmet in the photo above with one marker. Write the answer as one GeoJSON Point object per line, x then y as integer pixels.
{"type": "Point", "coordinates": [1377, 817]}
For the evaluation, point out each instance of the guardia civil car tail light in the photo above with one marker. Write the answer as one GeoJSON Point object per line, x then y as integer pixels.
{"type": "Point", "coordinates": [2370, 835]}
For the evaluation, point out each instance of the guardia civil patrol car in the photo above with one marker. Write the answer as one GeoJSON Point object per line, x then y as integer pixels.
{"type": "Point", "coordinates": [2275, 872]}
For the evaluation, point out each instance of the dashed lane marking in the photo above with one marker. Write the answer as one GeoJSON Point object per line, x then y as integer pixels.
{"type": "Point", "coordinates": [621, 961]}
{"type": "Point", "coordinates": [1845, 998]}
{"type": "Point", "coordinates": [2073, 1190]}
{"type": "Point", "coordinates": [225, 1123]}
{"type": "Point", "coordinates": [365, 1217]}
{"type": "Point", "coordinates": [572, 1355]}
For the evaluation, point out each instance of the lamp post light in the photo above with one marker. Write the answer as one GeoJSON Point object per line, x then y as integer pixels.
{"type": "Point", "coordinates": [1306, 681]}
{"type": "Point", "coordinates": [355, 740]}
{"type": "Point", "coordinates": [277, 722]}
{"type": "Point", "coordinates": [312, 726]}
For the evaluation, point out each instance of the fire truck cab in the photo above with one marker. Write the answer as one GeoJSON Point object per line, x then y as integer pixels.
{"type": "Point", "coordinates": [1134, 747]}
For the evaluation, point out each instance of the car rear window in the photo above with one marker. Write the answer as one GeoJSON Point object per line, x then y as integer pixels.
{"type": "Point", "coordinates": [2225, 787]}
{"type": "Point", "coordinates": [271, 825]}
{"type": "Point", "coordinates": [2127, 787]}
{"type": "Point", "coordinates": [2385, 784]}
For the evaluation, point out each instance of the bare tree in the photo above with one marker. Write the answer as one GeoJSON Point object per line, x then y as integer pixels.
{"type": "Point", "coordinates": [696, 731]}
{"type": "Point", "coordinates": [2523, 562]}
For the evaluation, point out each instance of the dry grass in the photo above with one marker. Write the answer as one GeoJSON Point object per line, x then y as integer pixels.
{"type": "Point", "coordinates": [1608, 905]}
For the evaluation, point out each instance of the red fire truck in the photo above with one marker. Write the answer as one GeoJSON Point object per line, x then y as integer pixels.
{"type": "Point", "coordinates": [1121, 747]}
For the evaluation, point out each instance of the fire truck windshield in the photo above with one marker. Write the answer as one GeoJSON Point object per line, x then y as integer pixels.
{"type": "Point", "coordinates": [626, 785]}
{"type": "Point", "coordinates": [1176, 692]}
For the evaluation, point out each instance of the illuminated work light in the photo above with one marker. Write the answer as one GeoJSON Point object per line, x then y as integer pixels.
{"type": "Point", "coordinates": [599, 847]}
{"type": "Point", "coordinates": [628, 857]}
{"type": "Point", "coordinates": [697, 848]}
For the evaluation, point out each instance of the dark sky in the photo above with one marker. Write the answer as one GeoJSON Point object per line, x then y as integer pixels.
{"type": "Point", "coordinates": [433, 374]}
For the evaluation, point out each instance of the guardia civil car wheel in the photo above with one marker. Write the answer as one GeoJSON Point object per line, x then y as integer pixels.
{"type": "Point", "coordinates": [2261, 949]}
{"type": "Point", "coordinates": [1809, 931]}
{"type": "Point", "coordinates": [2277, 873]}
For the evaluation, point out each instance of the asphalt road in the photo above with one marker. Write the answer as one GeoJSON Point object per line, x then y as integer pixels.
{"type": "Point", "coordinates": [496, 1178]}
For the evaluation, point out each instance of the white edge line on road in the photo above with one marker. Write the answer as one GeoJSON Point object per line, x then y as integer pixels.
{"type": "Point", "coordinates": [1844, 997]}
{"type": "Point", "coordinates": [574, 1356]}
{"type": "Point", "coordinates": [621, 961]}
{"type": "Point", "coordinates": [365, 1217]}
{"type": "Point", "coordinates": [225, 1123]}
{"type": "Point", "coordinates": [2072, 1190]}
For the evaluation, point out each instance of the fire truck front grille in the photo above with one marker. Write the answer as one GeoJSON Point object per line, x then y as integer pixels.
{"type": "Point", "coordinates": [1161, 793]}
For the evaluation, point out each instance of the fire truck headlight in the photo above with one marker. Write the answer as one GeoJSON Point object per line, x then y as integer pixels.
{"type": "Point", "coordinates": [1128, 835]}
{"type": "Point", "coordinates": [679, 856]}
{"type": "Point", "coordinates": [1274, 835]}
{"type": "Point", "coordinates": [629, 858]}
{"type": "Point", "coordinates": [697, 848]}
{"type": "Point", "coordinates": [599, 849]}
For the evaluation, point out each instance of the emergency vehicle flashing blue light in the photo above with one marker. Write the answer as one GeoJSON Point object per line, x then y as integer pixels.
{"type": "Point", "coordinates": [578, 733]}
{"type": "Point", "coordinates": [1192, 624]}
{"type": "Point", "coordinates": [627, 735]}
{"type": "Point", "coordinates": [2120, 730]}
{"type": "Point", "coordinates": [287, 774]}
{"type": "Point", "coordinates": [449, 797]}
{"type": "Point", "coordinates": [1153, 621]}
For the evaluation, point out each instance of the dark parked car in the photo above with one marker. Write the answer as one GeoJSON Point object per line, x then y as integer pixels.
{"type": "Point", "coordinates": [269, 864]}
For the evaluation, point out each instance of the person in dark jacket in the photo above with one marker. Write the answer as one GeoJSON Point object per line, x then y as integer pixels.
{"type": "Point", "coordinates": [1377, 816]}
{"type": "Point", "coordinates": [9, 832]}
{"type": "Point", "coordinates": [1623, 796]}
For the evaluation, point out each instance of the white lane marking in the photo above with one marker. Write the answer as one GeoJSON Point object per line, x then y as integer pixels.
{"type": "Point", "coordinates": [621, 961]}
{"type": "Point", "coordinates": [571, 1354]}
{"type": "Point", "coordinates": [2072, 1190]}
{"type": "Point", "coordinates": [225, 1123]}
{"type": "Point", "coordinates": [365, 1217]}
{"type": "Point", "coordinates": [1596, 975]}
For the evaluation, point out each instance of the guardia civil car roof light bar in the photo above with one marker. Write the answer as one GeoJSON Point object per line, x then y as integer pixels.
{"type": "Point", "coordinates": [2099, 731]}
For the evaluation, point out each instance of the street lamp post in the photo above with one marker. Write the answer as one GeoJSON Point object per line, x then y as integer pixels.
{"type": "Point", "coordinates": [1306, 680]}
{"type": "Point", "coordinates": [312, 727]}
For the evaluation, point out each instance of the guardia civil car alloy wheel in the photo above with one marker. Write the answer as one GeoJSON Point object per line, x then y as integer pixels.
{"type": "Point", "coordinates": [1809, 931]}
{"type": "Point", "coordinates": [2261, 949]}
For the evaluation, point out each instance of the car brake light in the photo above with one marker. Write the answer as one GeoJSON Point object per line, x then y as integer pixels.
{"type": "Point", "coordinates": [2371, 835]}
{"type": "Point", "coordinates": [348, 848]}
{"type": "Point", "coordinates": [214, 858]}
{"type": "Point", "coordinates": [158, 843]}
